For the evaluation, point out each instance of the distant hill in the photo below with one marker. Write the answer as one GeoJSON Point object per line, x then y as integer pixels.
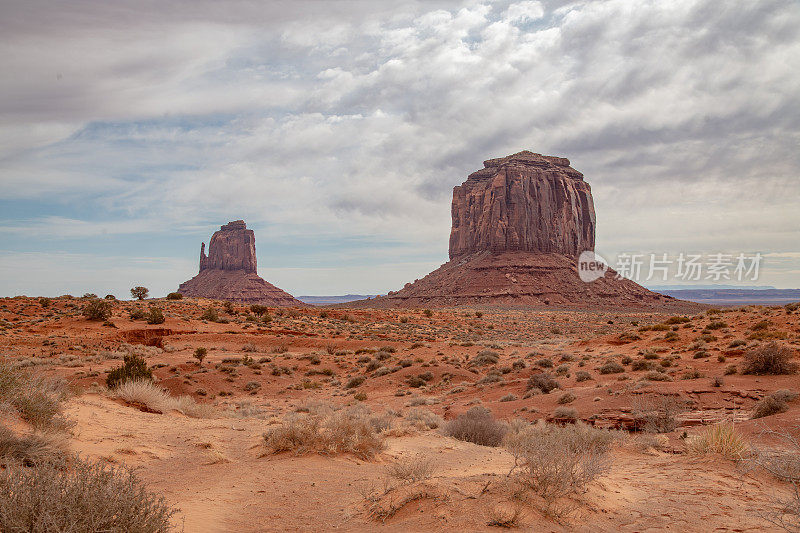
{"type": "Point", "coordinates": [732, 296]}
{"type": "Point", "coordinates": [329, 300]}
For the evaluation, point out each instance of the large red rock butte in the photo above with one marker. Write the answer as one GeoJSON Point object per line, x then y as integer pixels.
{"type": "Point", "coordinates": [228, 272]}
{"type": "Point", "coordinates": [519, 225]}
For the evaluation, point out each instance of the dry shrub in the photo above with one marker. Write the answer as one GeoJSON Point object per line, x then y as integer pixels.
{"type": "Point", "coordinates": [33, 449]}
{"type": "Point", "coordinates": [504, 516]}
{"type": "Point", "coordinates": [154, 398]}
{"type": "Point", "coordinates": [84, 497]}
{"type": "Point", "coordinates": [347, 431]}
{"type": "Point", "coordinates": [485, 357]}
{"type": "Point", "coordinates": [774, 403]}
{"type": "Point", "coordinates": [771, 358]}
{"type": "Point", "coordinates": [565, 413]}
{"type": "Point", "coordinates": [412, 469]}
{"type": "Point", "coordinates": [544, 382]}
{"type": "Point", "coordinates": [658, 414]}
{"type": "Point", "coordinates": [385, 505]}
{"type": "Point", "coordinates": [784, 464]}
{"type": "Point", "coordinates": [477, 426]}
{"type": "Point", "coordinates": [722, 439]}
{"type": "Point", "coordinates": [35, 400]}
{"type": "Point", "coordinates": [559, 461]}
{"type": "Point", "coordinates": [423, 419]}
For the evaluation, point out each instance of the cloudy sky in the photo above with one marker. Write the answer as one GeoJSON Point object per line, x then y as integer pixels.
{"type": "Point", "coordinates": [129, 131]}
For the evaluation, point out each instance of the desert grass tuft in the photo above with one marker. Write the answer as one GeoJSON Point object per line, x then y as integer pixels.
{"type": "Point", "coordinates": [721, 439]}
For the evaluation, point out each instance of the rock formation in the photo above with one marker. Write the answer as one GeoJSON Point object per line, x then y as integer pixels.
{"type": "Point", "coordinates": [519, 225]}
{"type": "Point", "coordinates": [524, 202]}
{"type": "Point", "coordinates": [228, 272]}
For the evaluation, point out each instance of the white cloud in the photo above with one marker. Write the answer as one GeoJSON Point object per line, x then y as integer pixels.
{"type": "Point", "coordinates": [684, 116]}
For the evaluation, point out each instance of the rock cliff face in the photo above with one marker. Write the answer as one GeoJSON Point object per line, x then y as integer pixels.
{"type": "Point", "coordinates": [233, 247]}
{"type": "Point", "coordinates": [519, 225]}
{"type": "Point", "coordinates": [524, 202]}
{"type": "Point", "coordinates": [228, 272]}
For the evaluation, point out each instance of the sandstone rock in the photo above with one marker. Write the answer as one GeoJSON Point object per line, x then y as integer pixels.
{"type": "Point", "coordinates": [518, 226]}
{"type": "Point", "coordinates": [229, 271]}
{"type": "Point", "coordinates": [523, 202]}
{"type": "Point", "coordinates": [233, 247]}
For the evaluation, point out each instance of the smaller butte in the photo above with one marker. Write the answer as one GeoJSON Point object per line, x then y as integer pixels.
{"type": "Point", "coordinates": [228, 272]}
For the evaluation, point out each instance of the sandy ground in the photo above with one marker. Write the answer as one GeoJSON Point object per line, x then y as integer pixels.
{"type": "Point", "coordinates": [256, 372]}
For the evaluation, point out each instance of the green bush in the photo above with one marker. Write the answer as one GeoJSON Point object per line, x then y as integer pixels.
{"type": "Point", "coordinates": [133, 369]}
{"type": "Point", "coordinates": [210, 314]}
{"type": "Point", "coordinates": [174, 296]}
{"type": "Point", "coordinates": [137, 313]}
{"type": "Point", "coordinates": [97, 309]}
{"type": "Point", "coordinates": [155, 316]}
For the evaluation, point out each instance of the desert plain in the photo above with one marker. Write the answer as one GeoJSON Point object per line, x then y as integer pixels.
{"type": "Point", "coordinates": [399, 398]}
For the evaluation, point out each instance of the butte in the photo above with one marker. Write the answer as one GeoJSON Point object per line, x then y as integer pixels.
{"type": "Point", "coordinates": [519, 226]}
{"type": "Point", "coordinates": [229, 271]}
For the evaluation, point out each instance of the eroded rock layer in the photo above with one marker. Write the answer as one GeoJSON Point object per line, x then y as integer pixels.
{"type": "Point", "coordinates": [523, 202]}
{"type": "Point", "coordinates": [522, 279]}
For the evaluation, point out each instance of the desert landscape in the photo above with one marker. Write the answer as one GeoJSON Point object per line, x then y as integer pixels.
{"type": "Point", "coordinates": [229, 447]}
{"type": "Point", "coordinates": [523, 397]}
{"type": "Point", "coordinates": [464, 265]}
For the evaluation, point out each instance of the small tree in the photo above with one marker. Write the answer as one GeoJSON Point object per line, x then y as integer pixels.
{"type": "Point", "coordinates": [200, 354]}
{"type": "Point", "coordinates": [174, 296]}
{"type": "Point", "coordinates": [140, 293]}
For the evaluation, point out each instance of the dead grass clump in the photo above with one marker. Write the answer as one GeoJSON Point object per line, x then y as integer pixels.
{"type": "Point", "coordinates": [505, 517]}
{"type": "Point", "coordinates": [424, 419]}
{"type": "Point", "coordinates": [721, 439]}
{"type": "Point", "coordinates": [559, 461]}
{"type": "Point", "coordinates": [155, 399]}
{"type": "Point", "coordinates": [348, 431]}
{"type": "Point", "coordinates": [477, 426]}
{"type": "Point", "coordinates": [771, 358]}
{"type": "Point", "coordinates": [33, 449]}
{"type": "Point", "coordinates": [412, 469]}
{"type": "Point", "coordinates": [84, 497]}
{"type": "Point", "coordinates": [35, 400]}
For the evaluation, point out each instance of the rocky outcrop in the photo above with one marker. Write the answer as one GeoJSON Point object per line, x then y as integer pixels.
{"type": "Point", "coordinates": [233, 247]}
{"type": "Point", "coordinates": [524, 202]}
{"type": "Point", "coordinates": [228, 272]}
{"type": "Point", "coordinates": [519, 225]}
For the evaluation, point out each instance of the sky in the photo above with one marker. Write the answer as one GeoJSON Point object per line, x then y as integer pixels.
{"type": "Point", "coordinates": [131, 130]}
